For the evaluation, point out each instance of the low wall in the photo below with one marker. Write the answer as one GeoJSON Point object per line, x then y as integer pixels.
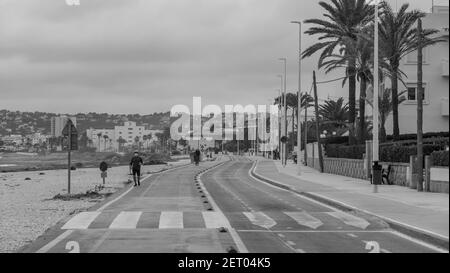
{"type": "Point", "coordinates": [355, 168]}
{"type": "Point", "coordinates": [439, 179]}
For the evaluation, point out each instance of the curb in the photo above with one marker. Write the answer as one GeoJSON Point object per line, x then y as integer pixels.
{"type": "Point", "coordinates": [399, 227]}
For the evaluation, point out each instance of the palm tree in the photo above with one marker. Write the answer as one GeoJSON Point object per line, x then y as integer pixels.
{"type": "Point", "coordinates": [105, 137]}
{"type": "Point", "coordinates": [386, 106]}
{"type": "Point", "coordinates": [121, 141]}
{"type": "Point", "coordinates": [99, 135]}
{"type": "Point", "coordinates": [344, 20]}
{"type": "Point", "coordinates": [398, 37]}
{"type": "Point", "coordinates": [333, 116]}
{"type": "Point", "coordinates": [361, 51]}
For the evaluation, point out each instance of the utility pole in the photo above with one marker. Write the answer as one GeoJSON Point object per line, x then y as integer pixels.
{"type": "Point", "coordinates": [284, 159]}
{"type": "Point", "coordinates": [69, 125]}
{"type": "Point", "coordinates": [316, 108]}
{"type": "Point", "coordinates": [299, 100]}
{"type": "Point", "coordinates": [376, 168]}
{"type": "Point", "coordinates": [305, 153]}
{"type": "Point", "coordinates": [419, 107]}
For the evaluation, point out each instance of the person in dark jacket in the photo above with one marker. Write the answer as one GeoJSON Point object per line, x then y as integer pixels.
{"type": "Point", "coordinates": [135, 167]}
{"type": "Point", "coordinates": [197, 157]}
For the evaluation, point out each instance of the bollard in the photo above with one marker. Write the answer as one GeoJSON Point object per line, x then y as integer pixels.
{"type": "Point", "coordinates": [413, 171]}
{"type": "Point", "coordinates": [376, 176]}
{"type": "Point", "coordinates": [428, 164]}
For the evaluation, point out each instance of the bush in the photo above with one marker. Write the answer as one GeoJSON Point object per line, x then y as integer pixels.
{"type": "Point", "coordinates": [440, 158]}
{"type": "Point", "coordinates": [176, 153]}
{"type": "Point", "coordinates": [388, 153]}
{"type": "Point", "coordinates": [341, 151]}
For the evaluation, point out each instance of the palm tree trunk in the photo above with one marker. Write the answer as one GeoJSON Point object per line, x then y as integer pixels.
{"type": "Point", "coordinates": [394, 79]}
{"type": "Point", "coordinates": [362, 109]}
{"type": "Point", "coordinates": [352, 101]}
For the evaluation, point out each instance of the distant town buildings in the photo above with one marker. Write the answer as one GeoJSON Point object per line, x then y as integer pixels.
{"type": "Point", "coordinates": [109, 139]}
{"type": "Point", "coordinates": [58, 124]}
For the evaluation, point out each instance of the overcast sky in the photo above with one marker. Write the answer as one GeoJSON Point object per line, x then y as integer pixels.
{"type": "Point", "coordinates": [144, 56]}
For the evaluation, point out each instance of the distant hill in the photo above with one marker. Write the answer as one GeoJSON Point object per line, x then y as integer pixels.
{"type": "Point", "coordinates": [16, 122]}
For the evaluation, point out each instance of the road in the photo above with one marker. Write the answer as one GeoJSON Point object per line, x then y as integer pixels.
{"type": "Point", "coordinates": [182, 211]}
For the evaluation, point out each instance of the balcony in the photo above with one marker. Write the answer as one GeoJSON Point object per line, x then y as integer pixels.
{"type": "Point", "coordinates": [445, 68]}
{"type": "Point", "coordinates": [444, 107]}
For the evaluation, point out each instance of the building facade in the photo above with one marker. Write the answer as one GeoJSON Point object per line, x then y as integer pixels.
{"type": "Point", "coordinates": [108, 139]}
{"type": "Point", "coordinates": [435, 82]}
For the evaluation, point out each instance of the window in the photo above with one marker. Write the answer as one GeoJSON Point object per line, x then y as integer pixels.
{"type": "Point", "coordinates": [412, 93]}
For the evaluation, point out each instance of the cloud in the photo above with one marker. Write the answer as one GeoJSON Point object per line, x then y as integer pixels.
{"type": "Point", "coordinates": [145, 56]}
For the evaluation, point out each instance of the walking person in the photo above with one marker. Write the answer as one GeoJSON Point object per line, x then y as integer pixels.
{"type": "Point", "coordinates": [197, 157]}
{"type": "Point", "coordinates": [135, 167]}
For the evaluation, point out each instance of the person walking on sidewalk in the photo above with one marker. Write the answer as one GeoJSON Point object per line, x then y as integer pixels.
{"type": "Point", "coordinates": [135, 167]}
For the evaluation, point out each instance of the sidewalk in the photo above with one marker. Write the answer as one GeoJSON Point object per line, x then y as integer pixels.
{"type": "Point", "coordinates": [427, 213]}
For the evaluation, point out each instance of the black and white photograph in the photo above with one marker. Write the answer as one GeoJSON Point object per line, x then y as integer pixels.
{"type": "Point", "coordinates": [224, 131]}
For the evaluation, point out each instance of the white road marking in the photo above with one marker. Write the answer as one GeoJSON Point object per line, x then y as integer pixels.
{"type": "Point", "coordinates": [290, 243]}
{"type": "Point", "coordinates": [126, 220]}
{"type": "Point", "coordinates": [260, 219]}
{"type": "Point", "coordinates": [53, 243]}
{"type": "Point", "coordinates": [82, 220]}
{"type": "Point", "coordinates": [304, 219]}
{"type": "Point", "coordinates": [171, 219]}
{"type": "Point", "coordinates": [352, 235]}
{"type": "Point", "coordinates": [300, 250]}
{"type": "Point", "coordinates": [427, 245]}
{"type": "Point", "coordinates": [349, 219]}
{"type": "Point", "coordinates": [215, 219]}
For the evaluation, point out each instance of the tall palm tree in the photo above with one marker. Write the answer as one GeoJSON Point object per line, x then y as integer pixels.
{"type": "Point", "coordinates": [105, 137]}
{"type": "Point", "coordinates": [344, 19]}
{"type": "Point", "coordinates": [361, 51]}
{"type": "Point", "coordinates": [398, 37]}
{"type": "Point", "coordinates": [385, 106]}
{"type": "Point", "coordinates": [99, 135]}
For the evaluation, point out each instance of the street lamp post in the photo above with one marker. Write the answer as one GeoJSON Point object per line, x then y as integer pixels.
{"type": "Point", "coordinates": [299, 98]}
{"type": "Point", "coordinates": [376, 168]}
{"type": "Point", "coordinates": [280, 126]}
{"type": "Point", "coordinates": [284, 60]}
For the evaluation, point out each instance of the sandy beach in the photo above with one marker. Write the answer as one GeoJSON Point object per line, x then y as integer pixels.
{"type": "Point", "coordinates": [27, 207]}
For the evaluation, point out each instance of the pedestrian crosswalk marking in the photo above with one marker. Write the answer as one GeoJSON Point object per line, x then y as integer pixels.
{"type": "Point", "coordinates": [206, 219]}
{"type": "Point", "coordinates": [171, 219]}
{"type": "Point", "coordinates": [304, 219]}
{"type": "Point", "coordinates": [82, 220]}
{"type": "Point", "coordinates": [126, 220]}
{"type": "Point", "coordinates": [214, 219]}
{"type": "Point", "coordinates": [260, 219]}
{"type": "Point", "coordinates": [349, 219]}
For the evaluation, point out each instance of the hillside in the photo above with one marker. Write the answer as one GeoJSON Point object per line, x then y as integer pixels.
{"type": "Point", "coordinates": [16, 122]}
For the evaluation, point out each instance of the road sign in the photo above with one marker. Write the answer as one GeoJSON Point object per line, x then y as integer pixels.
{"type": "Point", "coordinates": [104, 175]}
{"type": "Point", "coordinates": [73, 129]}
{"type": "Point", "coordinates": [73, 135]}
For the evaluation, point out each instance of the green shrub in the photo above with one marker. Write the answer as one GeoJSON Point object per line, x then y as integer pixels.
{"type": "Point", "coordinates": [388, 153]}
{"type": "Point", "coordinates": [440, 158]}
{"type": "Point", "coordinates": [342, 151]}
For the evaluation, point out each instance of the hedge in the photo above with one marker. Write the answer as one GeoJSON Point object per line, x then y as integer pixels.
{"type": "Point", "coordinates": [341, 151]}
{"type": "Point", "coordinates": [440, 158]}
{"type": "Point", "coordinates": [344, 139]}
{"type": "Point", "coordinates": [392, 153]}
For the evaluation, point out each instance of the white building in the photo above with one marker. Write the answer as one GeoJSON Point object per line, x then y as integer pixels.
{"type": "Point", "coordinates": [130, 132]}
{"type": "Point", "coordinates": [58, 124]}
{"type": "Point", "coordinates": [435, 78]}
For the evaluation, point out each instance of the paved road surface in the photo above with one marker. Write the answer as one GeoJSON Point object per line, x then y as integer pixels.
{"type": "Point", "coordinates": [178, 211]}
